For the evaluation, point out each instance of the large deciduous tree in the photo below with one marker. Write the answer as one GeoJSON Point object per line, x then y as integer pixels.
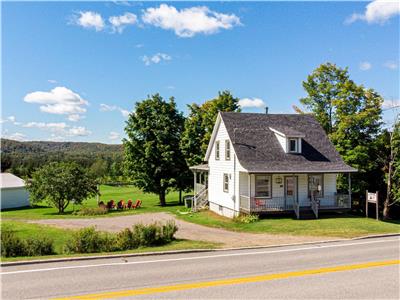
{"type": "Point", "coordinates": [350, 115]}
{"type": "Point", "coordinates": [153, 159]}
{"type": "Point", "coordinates": [60, 183]}
{"type": "Point", "coordinates": [200, 123]}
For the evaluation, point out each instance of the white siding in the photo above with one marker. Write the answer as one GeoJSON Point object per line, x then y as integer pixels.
{"type": "Point", "coordinates": [330, 184]}
{"type": "Point", "coordinates": [14, 197]}
{"type": "Point", "coordinates": [229, 201]}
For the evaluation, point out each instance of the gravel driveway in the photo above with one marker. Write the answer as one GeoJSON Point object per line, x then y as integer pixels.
{"type": "Point", "coordinates": [186, 230]}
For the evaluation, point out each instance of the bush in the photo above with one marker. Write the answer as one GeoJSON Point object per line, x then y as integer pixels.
{"type": "Point", "coordinates": [35, 246]}
{"type": "Point", "coordinates": [246, 219]}
{"type": "Point", "coordinates": [86, 240]}
{"type": "Point", "coordinates": [168, 231]}
{"type": "Point", "coordinates": [92, 211]}
{"type": "Point", "coordinates": [12, 245]}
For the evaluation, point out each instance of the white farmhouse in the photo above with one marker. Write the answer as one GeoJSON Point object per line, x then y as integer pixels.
{"type": "Point", "coordinates": [12, 191]}
{"type": "Point", "coordinates": [268, 163]}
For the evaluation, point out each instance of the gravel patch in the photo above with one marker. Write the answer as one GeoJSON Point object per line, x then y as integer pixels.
{"type": "Point", "coordinates": [186, 230]}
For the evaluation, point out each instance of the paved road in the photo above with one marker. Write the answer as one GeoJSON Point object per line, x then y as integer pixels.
{"type": "Point", "coordinates": [358, 269]}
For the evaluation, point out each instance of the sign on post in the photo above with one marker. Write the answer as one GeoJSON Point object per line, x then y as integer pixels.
{"type": "Point", "coordinates": [372, 198]}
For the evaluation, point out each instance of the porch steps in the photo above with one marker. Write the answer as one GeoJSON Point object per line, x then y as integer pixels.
{"type": "Point", "coordinates": [306, 213]}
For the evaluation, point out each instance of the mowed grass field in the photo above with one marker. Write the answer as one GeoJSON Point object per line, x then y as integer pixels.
{"type": "Point", "coordinates": [334, 225]}
{"type": "Point", "coordinates": [150, 203]}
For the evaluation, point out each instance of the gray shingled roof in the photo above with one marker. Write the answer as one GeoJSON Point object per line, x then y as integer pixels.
{"type": "Point", "coordinates": [258, 149]}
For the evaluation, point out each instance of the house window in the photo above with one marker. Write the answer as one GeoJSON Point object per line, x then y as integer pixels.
{"type": "Point", "coordinates": [226, 183]}
{"type": "Point", "coordinates": [217, 150]}
{"type": "Point", "coordinates": [227, 150]}
{"type": "Point", "coordinates": [263, 186]}
{"type": "Point", "coordinates": [293, 145]}
{"type": "Point", "coordinates": [316, 185]}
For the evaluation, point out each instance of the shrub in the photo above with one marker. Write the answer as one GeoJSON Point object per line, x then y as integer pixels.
{"type": "Point", "coordinates": [125, 240]}
{"type": "Point", "coordinates": [247, 219]}
{"type": "Point", "coordinates": [11, 245]}
{"type": "Point", "coordinates": [168, 231]}
{"type": "Point", "coordinates": [35, 246]}
{"type": "Point", "coordinates": [92, 211]}
{"type": "Point", "coordinates": [149, 235]}
{"type": "Point", "coordinates": [86, 240]}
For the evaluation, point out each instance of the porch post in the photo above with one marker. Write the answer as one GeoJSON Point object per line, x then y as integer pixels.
{"type": "Point", "coordinates": [349, 178]}
{"type": "Point", "coordinates": [195, 180]}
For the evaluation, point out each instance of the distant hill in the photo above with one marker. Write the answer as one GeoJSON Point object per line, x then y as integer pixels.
{"type": "Point", "coordinates": [11, 146]}
{"type": "Point", "coordinates": [22, 158]}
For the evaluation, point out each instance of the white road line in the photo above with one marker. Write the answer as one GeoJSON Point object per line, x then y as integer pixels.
{"type": "Point", "coordinates": [196, 257]}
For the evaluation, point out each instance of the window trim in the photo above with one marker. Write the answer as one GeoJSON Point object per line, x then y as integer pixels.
{"type": "Point", "coordinates": [322, 184]}
{"type": "Point", "coordinates": [217, 150]}
{"type": "Point", "coordinates": [270, 186]}
{"type": "Point", "coordinates": [296, 145]}
{"type": "Point", "coordinates": [225, 175]}
{"type": "Point", "coordinates": [227, 147]}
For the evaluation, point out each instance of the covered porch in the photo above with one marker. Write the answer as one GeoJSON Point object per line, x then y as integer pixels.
{"type": "Point", "coordinates": [272, 193]}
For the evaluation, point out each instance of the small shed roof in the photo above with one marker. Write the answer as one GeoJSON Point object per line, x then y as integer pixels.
{"type": "Point", "coordinates": [8, 180]}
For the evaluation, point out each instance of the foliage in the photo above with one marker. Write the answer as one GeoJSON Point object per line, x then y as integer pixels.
{"type": "Point", "coordinates": [88, 240]}
{"type": "Point", "coordinates": [23, 158]}
{"type": "Point", "coordinates": [246, 219]}
{"type": "Point", "coordinates": [200, 123]}
{"type": "Point", "coordinates": [153, 159]}
{"type": "Point", "coordinates": [12, 245]}
{"type": "Point", "coordinates": [351, 116]}
{"type": "Point", "coordinates": [60, 183]}
{"type": "Point", "coordinates": [92, 211]}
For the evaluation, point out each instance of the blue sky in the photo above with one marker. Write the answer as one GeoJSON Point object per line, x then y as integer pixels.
{"type": "Point", "coordinates": [69, 72]}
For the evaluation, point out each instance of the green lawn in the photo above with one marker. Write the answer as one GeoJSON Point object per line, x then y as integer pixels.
{"type": "Point", "coordinates": [333, 225]}
{"type": "Point", "coordinates": [150, 204]}
{"type": "Point", "coordinates": [60, 237]}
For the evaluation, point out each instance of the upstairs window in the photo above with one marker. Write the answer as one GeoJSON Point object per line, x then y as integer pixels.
{"type": "Point", "coordinates": [293, 145]}
{"type": "Point", "coordinates": [227, 150]}
{"type": "Point", "coordinates": [217, 150]}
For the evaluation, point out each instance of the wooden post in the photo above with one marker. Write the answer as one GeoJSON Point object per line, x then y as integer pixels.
{"type": "Point", "coordinates": [349, 179]}
{"type": "Point", "coordinates": [377, 206]}
{"type": "Point", "coordinates": [366, 204]}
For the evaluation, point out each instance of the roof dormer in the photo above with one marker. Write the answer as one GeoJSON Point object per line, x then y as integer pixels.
{"type": "Point", "coordinates": [288, 138]}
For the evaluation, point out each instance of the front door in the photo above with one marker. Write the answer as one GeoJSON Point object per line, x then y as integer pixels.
{"type": "Point", "coordinates": [290, 191]}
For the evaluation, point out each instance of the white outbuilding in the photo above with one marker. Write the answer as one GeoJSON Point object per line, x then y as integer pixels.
{"type": "Point", "coordinates": [13, 191]}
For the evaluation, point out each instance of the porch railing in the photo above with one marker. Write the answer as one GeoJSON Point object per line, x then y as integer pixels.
{"type": "Point", "coordinates": [335, 201]}
{"type": "Point", "coordinates": [259, 204]}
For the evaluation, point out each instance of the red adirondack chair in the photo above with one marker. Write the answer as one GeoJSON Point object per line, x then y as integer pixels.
{"type": "Point", "coordinates": [121, 204]}
{"type": "Point", "coordinates": [137, 204]}
{"type": "Point", "coordinates": [111, 204]}
{"type": "Point", "coordinates": [129, 205]}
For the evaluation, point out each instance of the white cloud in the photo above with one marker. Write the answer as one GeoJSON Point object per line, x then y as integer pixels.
{"type": "Point", "coordinates": [155, 59]}
{"type": "Point", "coordinates": [252, 102]}
{"type": "Point", "coordinates": [59, 100]}
{"type": "Point", "coordinates": [390, 64]}
{"type": "Point", "coordinates": [139, 46]}
{"type": "Point", "coordinates": [17, 136]}
{"type": "Point", "coordinates": [52, 81]}
{"type": "Point", "coordinates": [365, 66]}
{"type": "Point", "coordinates": [78, 131]}
{"type": "Point", "coordinates": [118, 23]}
{"type": "Point", "coordinates": [106, 107]}
{"type": "Point", "coordinates": [10, 119]}
{"type": "Point", "coordinates": [75, 118]}
{"type": "Point", "coordinates": [377, 11]}
{"type": "Point", "coordinates": [170, 87]}
{"type": "Point", "coordinates": [89, 19]}
{"type": "Point", "coordinates": [53, 127]}
{"type": "Point", "coordinates": [188, 22]}
{"type": "Point", "coordinates": [114, 135]}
